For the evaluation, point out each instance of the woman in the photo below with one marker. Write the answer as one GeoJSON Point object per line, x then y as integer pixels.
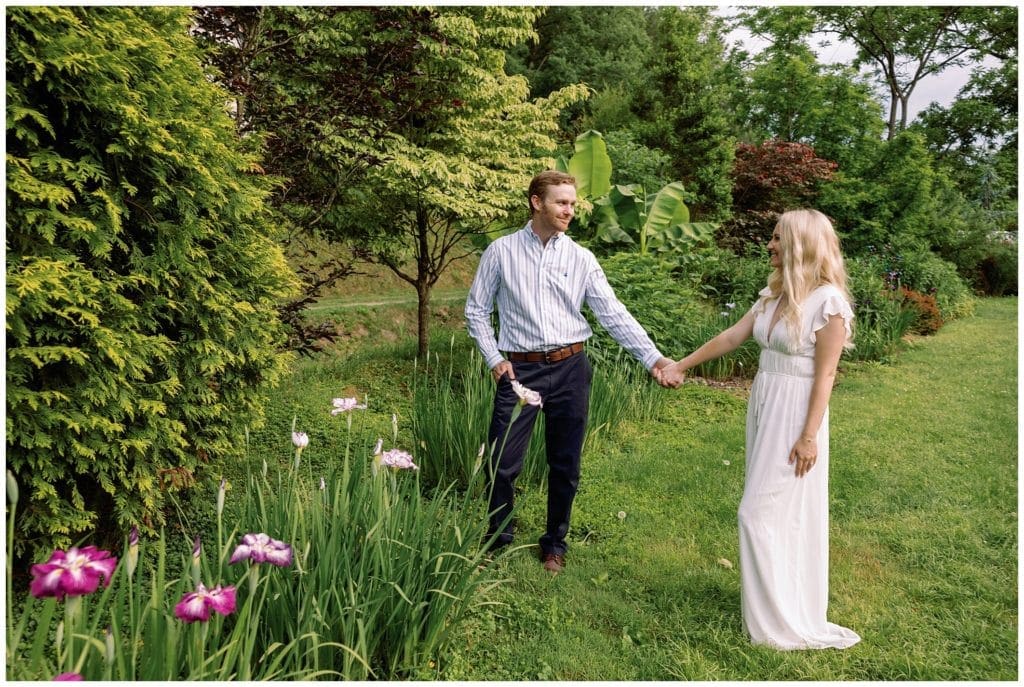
{"type": "Point", "coordinates": [802, 322]}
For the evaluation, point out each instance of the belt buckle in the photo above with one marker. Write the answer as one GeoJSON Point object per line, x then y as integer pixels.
{"type": "Point", "coordinates": [561, 353]}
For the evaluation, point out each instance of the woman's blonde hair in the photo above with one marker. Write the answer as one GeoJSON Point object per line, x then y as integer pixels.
{"type": "Point", "coordinates": [809, 250]}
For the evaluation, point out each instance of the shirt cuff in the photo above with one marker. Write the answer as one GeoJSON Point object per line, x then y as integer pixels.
{"type": "Point", "coordinates": [651, 358]}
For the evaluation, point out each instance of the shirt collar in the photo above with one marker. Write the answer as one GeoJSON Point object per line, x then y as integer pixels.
{"type": "Point", "coordinates": [553, 241]}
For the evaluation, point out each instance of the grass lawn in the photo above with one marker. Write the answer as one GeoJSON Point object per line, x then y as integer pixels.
{"type": "Point", "coordinates": [923, 536]}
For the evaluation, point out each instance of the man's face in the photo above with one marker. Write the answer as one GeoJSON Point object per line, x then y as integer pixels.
{"type": "Point", "coordinates": [556, 209]}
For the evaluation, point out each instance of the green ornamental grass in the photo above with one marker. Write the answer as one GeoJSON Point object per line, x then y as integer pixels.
{"type": "Point", "coordinates": [356, 573]}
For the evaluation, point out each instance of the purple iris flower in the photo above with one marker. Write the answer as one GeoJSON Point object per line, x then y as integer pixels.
{"type": "Point", "coordinates": [260, 548]}
{"type": "Point", "coordinates": [198, 604]}
{"type": "Point", "coordinates": [74, 573]}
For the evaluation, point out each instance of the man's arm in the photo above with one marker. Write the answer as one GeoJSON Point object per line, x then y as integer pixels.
{"type": "Point", "coordinates": [479, 306]}
{"type": "Point", "coordinates": [623, 327]}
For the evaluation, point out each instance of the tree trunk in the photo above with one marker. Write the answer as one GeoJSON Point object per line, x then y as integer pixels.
{"type": "Point", "coordinates": [422, 318]}
{"type": "Point", "coordinates": [904, 105]}
{"type": "Point", "coordinates": [423, 283]}
{"type": "Point", "coordinates": [894, 103]}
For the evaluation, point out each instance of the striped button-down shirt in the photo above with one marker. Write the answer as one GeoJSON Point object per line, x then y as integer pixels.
{"type": "Point", "coordinates": [540, 290]}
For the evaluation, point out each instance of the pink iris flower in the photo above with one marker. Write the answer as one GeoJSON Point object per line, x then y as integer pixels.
{"type": "Point", "coordinates": [67, 677]}
{"type": "Point", "coordinates": [344, 405]}
{"type": "Point", "coordinates": [260, 548]}
{"type": "Point", "coordinates": [395, 458]}
{"type": "Point", "coordinates": [527, 396]}
{"type": "Point", "coordinates": [74, 573]}
{"type": "Point", "coordinates": [198, 604]}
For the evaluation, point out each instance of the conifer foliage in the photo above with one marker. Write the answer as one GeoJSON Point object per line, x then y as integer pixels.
{"type": "Point", "coordinates": [141, 283]}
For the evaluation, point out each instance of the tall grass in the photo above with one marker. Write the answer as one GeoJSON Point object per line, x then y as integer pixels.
{"type": "Point", "coordinates": [381, 571]}
{"type": "Point", "coordinates": [453, 401]}
{"type": "Point", "coordinates": [741, 362]}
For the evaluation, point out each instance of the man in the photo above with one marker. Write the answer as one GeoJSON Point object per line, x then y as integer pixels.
{"type": "Point", "coordinates": [540, 279]}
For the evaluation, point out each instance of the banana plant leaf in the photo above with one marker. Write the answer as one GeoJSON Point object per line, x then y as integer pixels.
{"type": "Point", "coordinates": [591, 165]}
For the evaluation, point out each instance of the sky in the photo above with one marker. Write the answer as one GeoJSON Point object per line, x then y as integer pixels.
{"type": "Point", "coordinates": [941, 88]}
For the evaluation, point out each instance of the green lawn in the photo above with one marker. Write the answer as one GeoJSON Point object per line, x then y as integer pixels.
{"type": "Point", "coordinates": [923, 528]}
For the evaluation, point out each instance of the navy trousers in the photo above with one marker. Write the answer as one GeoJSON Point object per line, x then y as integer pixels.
{"type": "Point", "coordinates": [564, 387]}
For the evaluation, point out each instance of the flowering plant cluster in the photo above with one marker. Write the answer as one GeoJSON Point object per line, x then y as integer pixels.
{"type": "Point", "coordinates": [169, 629]}
{"type": "Point", "coordinates": [78, 572]}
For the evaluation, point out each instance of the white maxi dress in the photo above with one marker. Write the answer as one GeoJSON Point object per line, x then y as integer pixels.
{"type": "Point", "coordinates": [783, 520]}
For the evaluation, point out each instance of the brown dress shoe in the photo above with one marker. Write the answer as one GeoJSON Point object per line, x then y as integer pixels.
{"type": "Point", "coordinates": [553, 562]}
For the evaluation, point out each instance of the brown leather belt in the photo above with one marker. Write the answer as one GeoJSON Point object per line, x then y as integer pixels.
{"type": "Point", "coordinates": [546, 356]}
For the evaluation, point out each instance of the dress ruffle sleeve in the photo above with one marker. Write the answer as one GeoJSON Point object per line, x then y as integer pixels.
{"type": "Point", "coordinates": [833, 304]}
{"type": "Point", "coordinates": [762, 300]}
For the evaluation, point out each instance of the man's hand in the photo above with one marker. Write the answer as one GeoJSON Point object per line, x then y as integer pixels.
{"type": "Point", "coordinates": [503, 368]}
{"type": "Point", "coordinates": [656, 371]}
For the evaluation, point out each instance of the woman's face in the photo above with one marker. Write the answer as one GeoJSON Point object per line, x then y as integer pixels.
{"type": "Point", "coordinates": [775, 249]}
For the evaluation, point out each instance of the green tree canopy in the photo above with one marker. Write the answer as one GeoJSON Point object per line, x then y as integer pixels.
{"type": "Point", "coordinates": [687, 115]}
{"type": "Point", "coordinates": [605, 48]}
{"type": "Point", "coordinates": [398, 128]}
{"type": "Point", "coordinates": [790, 96]}
{"type": "Point", "coordinates": [902, 44]}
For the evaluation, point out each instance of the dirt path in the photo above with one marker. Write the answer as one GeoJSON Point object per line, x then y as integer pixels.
{"type": "Point", "coordinates": [364, 301]}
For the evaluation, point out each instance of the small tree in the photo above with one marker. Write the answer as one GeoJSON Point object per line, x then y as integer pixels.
{"type": "Point", "coordinates": [768, 179]}
{"type": "Point", "coordinates": [397, 128]}
{"type": "Point", "coordinates": [323, 84]}
{"type": "Point", "coordinates": [141, 287]}
{"type": "Point", "coordinates": [462, 165]}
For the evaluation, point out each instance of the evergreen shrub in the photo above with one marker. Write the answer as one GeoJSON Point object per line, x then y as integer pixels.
{"type": "Point", "coordinates": [732, 278]}
{"type": "Point", "coordinates": [141, 282]}
{"type": "Point", "coordinates": [926, 272]}
{"type": "Point", "coordinates": [675, 315]}
{"type": "Point", "coordinates": [663, 306]}
{"type": "Point", "coordinates": [997, 270]}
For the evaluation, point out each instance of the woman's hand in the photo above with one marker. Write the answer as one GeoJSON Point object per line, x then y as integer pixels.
{"type": "Point", "coordinates": [804, 454]}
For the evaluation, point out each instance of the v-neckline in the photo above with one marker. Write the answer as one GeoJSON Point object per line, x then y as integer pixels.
{"type": "Point", "coordinates": [776, 316]}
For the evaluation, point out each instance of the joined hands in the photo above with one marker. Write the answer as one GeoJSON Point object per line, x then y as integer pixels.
{"type": "Point", "coordinates": [668, 373]}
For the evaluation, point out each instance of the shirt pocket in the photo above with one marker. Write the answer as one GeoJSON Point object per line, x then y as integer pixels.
{"type": "Point", "coordinates": [562, 284]}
